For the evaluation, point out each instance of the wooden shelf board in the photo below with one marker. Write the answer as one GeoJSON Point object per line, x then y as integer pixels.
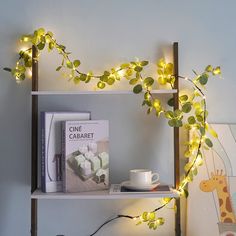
{"type": "Point", "coordinates": [102, 92]}
{"type": "Point", "coordinates": [38, 194]}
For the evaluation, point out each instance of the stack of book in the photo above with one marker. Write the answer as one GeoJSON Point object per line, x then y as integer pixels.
{"type": "Point", "coordinates": [74, 152]}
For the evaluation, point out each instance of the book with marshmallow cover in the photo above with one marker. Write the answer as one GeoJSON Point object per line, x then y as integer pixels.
{"type": "Point", "coordinates": [85, 155]}
{"type": "Point", "coordinates": [51, 150]}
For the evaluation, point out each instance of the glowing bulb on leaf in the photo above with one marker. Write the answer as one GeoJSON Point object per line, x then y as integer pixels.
{"type": "Point", "coordinates": [120, 73]}
{"type": "Point", "coordinates": [29, 73]}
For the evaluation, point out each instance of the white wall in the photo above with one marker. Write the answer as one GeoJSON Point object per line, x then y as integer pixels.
{"type": "Point", "coordinates": [102, 33]}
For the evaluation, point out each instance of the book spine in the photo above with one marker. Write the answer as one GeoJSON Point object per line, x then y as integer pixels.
{"type": "Point", "coordinates": [43, 176]}
{"type": "Point", "coordinates": [63, 155]}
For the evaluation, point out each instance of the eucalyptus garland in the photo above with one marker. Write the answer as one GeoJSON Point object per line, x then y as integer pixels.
{"type": "Point", "coordinates": [192, 114]}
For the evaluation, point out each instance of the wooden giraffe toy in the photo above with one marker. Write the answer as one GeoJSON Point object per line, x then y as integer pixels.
{"type": "Point", "coordinates": [219, 183]}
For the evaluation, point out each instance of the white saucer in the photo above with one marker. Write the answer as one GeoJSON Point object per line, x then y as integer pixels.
{"type": "Point", "coordinates": [128, 185]}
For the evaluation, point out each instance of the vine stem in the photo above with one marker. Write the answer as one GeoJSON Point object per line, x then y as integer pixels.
{"type": "Point", "coordinates": [108, 221]}
{"type": "Point", "coordinates": [124, 216]}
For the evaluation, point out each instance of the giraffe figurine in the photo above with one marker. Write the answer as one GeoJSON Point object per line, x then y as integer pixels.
{"type": "Point", "coordinates": [218, 182]}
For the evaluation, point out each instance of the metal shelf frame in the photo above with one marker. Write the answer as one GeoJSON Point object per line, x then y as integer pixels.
{"type": "Point", "coordinates": [34, 136]}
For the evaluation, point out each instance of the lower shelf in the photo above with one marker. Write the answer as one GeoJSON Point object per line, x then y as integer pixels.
{"type": "Point", "coordinates": [38, 194]}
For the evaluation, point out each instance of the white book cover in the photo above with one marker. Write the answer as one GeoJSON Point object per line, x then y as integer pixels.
{"type": "Point", "coordinates": [51, 150]}
{"type": "Point", "coordinates": [85, 155]}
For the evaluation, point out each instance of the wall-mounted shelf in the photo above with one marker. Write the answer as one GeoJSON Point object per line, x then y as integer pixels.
{"type": "Point", "coordinates": [102, 92]}
{"type": "Point", "coordinates": [38, 194]}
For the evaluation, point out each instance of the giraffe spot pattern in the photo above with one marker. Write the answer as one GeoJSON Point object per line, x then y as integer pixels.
{"type": "Point", "coordinates": [220, 201]}
{"type": "Point", "coordinates": [228, 205]}
{"type": "Point", "coordinates": [225, 189]}
{"type": "Point", "coordinates": [228, 220]}
{"type": "Point", "coordinates": [223, 214]}
{"type": "Point", "coordinates": [221, 182]}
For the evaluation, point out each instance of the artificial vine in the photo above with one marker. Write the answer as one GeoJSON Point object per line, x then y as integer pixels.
{"type": "Point", "coordinates": [192, 114]}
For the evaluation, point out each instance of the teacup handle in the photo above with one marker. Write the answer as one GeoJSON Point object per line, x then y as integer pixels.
{"type": "Point", "coordinates": [155, 178]}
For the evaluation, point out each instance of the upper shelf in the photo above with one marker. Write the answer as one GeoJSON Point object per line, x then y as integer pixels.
{"type": "Point", "coordinates": [159, 91]}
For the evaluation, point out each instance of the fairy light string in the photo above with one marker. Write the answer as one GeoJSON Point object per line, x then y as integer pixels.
{"type": "Point", "coordinates": [192, 114]}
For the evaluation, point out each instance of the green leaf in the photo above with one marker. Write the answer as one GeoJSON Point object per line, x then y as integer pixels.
{"type": "Point", "coordinates": [149, 110]}
{"type": "Point", "coordinates": [169, 114]}
{"type": "Point", "coordinates": [152, 216]}
{"type": "Point", "coordinates": [148, 81]}
{"type": "Point", "coordinates": [171, 102]}
{"type": "Point", "coordinates": [209, 68]}
{"type": "Point", "coordinates": [179, 123]}
{"type": "Point", "coordinates": [62, 47]}
{"type": "Point", "coordinates": [25, 38]}
{"type": "Point", "coordinates": [162, 80]}
{"type": "Point", "coordinates": [177, 112]}
{"type": "Point", "coordinates": [203, 79]}
{"type": "Point", "coordinates": [69, 64]}
{"type": "Point", "coordinates": [133, 81]}
{"type": "Point", "coordinates": [76, 79]}
{"type": "Point", "coordinates": [83, 77]}
{"type": "Point", "coordinates": [50, 33]}
{"type": "Point", "coordinates": [191, 120]}
{"type": "Point", "coordinates": [138, 88]}
{"type": "Point", "coordinates": [187, 107]}
{"type": "Point", "coordinates": [183, 98]}
{"type": "Point", "coordinates": [169, 69]}
{"type": "Point", "coordinates": [138, 68]}
{"type": "Point", "coordinates": [89, 77]}
{"type": "Point", "coordinates": [51, 45]}
{"type": "Point", "coordinates": [110, 81]}
{"type": "Point", "coordinates": [129, 72]}
{"type": "Point", "coordinates": [101, 85]}
{"type": "Point", "coordinates": [195, 171]}
{"type": "Point", "coordinates": [161, 221]}
{"type": "Point", "coordinates": [186, 193]}
{"type": "Point", "coordinates": [213, 133]}
{"type": "Point", "coordinates": [58, 68]}
{"type": "Point", "coordinates": [208, 142]}
{"type": "Point", "coordinates": [139, 223]}
{"type": "Point", "coordinates": [147, 96]}
{"type": "Point", "coordinates": [7, 69]}
{"type": "Point", "coordinates": [76, 63]}
{"type": "Point", "coordinates": [151, 225]}
{"type": "Point", "coordinates": [161, 63]}
{"type": "Point", "coordinates": [124, 65]}
{"type": "Point", "coordinates": [199, 118]}
{"type": "Point", "coordinates": [21, 76]}
{"type": "Point", "coordinates": [216, 71]}
{"type": "Point", "coordinates": [144, 216]}
{"type": "Point", "coordinates": [149, 103]}
{"type": "Point", "coordinates": [41, 46]}
{"type": "Point", "coordinates": [172, 123]}
{"type": "Point", "coordinates": [28, 63]}
{"type": "Point", "coordinates": [144, 63]}
{"type": "Point", "coordinates": [104, 78]}
{"type": "Point", "coordinates": [202, 130]}
{"type": "Point", "coordinates": [41, 31]}
{"type": "Point", "coordinates": [106, 73]}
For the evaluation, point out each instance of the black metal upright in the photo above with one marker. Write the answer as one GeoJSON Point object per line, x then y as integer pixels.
{"type": "Point", "coordinates": [34, 141]}
{"type": "Point", "coordinates": [176, 139]}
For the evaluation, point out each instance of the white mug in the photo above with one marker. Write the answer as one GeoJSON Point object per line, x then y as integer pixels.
{"type": "Point", "coordinates": [143, 177]}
